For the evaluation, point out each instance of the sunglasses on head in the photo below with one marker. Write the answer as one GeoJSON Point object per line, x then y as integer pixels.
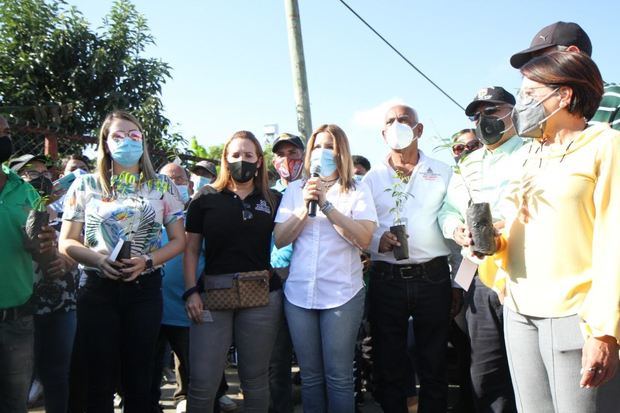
{"type": "Point", "coordinates": [487, 111]}
{"type": "Point", "coordinates": [246, 212]}
{"type": "Point", "coordinates": [459, 148]}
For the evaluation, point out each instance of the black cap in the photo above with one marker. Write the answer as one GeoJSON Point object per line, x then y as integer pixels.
{"type": "Point", "coordinates": [18, 163]}
{"type": "Point", "coordinates": [495, 94]}
{"type": "Point", "coordinates": [289, 138]}
{"type": "Point", "coordinates": [206, 165]}
{"type": "Point", "coordinates": [556, 34]}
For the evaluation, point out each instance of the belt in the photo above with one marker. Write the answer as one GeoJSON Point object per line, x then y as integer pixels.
{"type": "Point", "coordinates": [14, 313]}
{"type": "Point", "coordinates": [386, 271]}
{"type": "Point", "coordinates": [96, 275]}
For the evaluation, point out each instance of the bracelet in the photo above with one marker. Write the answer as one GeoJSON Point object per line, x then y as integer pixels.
{"type": "Point", "coordinates": [327, 207]}
{"type": "Point", "coordinates": [189, 292]}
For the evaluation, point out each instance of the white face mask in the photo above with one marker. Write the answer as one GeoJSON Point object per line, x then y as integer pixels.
{"type": "Point", "coordinates": [399, 135]}
{"type": "Point", "coordinates": [200, 181]}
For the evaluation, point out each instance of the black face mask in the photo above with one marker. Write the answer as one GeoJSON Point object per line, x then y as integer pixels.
{"type": "Point", "coordinates": [6, 148]}
{"type": "Point", "coordinates": [242, 171]}
{"type": "Point", "coordinates": [43, 185]}
{"type": "Point", "coordinates": [490, 129]}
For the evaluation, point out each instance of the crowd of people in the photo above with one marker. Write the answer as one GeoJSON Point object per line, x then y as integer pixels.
{"type": "Point", "coordinates": [334, 263]}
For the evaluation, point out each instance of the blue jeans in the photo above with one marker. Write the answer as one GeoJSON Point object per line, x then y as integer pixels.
{"type": "Point", "coordinates": [53, 342]}
{"type": "Point", "coordinates": [324, 341]}
{"type": "Point", "coordinates": [16, 351]}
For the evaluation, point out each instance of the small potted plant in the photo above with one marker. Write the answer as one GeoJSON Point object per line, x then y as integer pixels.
{"type": "Point", "coordinates": [399, 228]}
{"type": "Point", "coordinates": [38, 217]}
{"type": "Point", "coordinates": [478, 214]}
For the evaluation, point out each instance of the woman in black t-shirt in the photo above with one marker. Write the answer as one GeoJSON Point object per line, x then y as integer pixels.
{"type": "Point", "coordinates": [234, 218]}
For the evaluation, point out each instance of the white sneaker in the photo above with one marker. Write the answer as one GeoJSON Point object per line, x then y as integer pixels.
{"type": "Point", "coordinates": [182, 406]}
{"type": "Point", "coordinates": [227, 404]}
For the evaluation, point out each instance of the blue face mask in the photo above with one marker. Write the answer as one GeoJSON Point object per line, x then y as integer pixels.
{"type": "Point", "coordinates": [200, 181]}
{"type": "Point", "coordinates": [358, 178]}
{"type": "Point", "coordinates": [325, 159]}
{"type": "Point", "coordinates": [127, 153]}
{"type": "Point", "coordinates": [184, 192]}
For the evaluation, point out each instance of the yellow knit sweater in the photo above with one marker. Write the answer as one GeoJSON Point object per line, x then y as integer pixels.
{"type": "Point", "coordinates": [561, 244]}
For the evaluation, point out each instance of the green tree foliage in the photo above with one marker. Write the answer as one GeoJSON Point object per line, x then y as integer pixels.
{"type": "Point", "coordinates": [56, 72]}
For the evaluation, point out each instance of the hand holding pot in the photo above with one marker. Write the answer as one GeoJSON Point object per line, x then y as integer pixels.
{"type": "Point", "coordinates": [133, 267]}
{"type": "Point", "coordinates": [462, 236]}
{"type": "Point", "coordinates": [109, 268]}
{"type": "Point", "coordinates": [387, 242]}
{"type": "Point", "coordinates": [47, 240]}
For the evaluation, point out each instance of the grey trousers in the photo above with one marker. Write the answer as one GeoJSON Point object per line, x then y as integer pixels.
{"type": "Point", "coordinates": [544, 355]}
{"type": "Point", "coordinates": [254, 331]}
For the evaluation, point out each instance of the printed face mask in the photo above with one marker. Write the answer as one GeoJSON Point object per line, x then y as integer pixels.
{"type": "Point", "coordinates": [288, 169]}
{"type": "Point", "coordinates": [399, 135]}
{"type": "Point", "coordinates": [242, 171]}
{"type": "Point", "coordinates": [184, 192]}
{"type": "Point", "coordinates": [528, 117]}
{"type": "Point", "coordinates": [126, 152]}
{"type": "Point", "coordinates": [324, 158]}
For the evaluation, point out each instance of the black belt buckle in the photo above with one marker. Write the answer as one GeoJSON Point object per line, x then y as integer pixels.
{"type": "Point", "coordinates": [405, 268]}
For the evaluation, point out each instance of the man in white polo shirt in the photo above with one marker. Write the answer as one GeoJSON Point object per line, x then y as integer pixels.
{"type": "Point", "coordinates": [418, 286]}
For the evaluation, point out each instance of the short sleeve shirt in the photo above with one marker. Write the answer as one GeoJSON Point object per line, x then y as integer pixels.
{"type": "Point", "coordinates": [135, 214]}
{"type": "Point", "coordinates": [326, 270]}
{"type": "Point", "coordinates": [236, 232]}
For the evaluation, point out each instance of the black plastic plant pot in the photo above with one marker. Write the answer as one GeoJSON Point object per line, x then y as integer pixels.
{"type": "Point", "coordinates": [402, 252]}
{"type": "Point", "coordinates": [34, 223]}
{"type": "Point", "coordinates": [480, 223]}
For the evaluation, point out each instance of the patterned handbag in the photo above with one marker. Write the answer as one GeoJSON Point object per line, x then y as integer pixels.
{"type": "Point", "coordinates": [236, 291]}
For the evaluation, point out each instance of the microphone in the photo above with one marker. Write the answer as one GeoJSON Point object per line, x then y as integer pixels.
{"type": "Point", "coordinates": [315, 170]}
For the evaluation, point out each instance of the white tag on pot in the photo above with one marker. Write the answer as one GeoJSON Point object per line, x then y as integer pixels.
{"type": "Point", "coordinates": [465, 274]}
{"type": "Point", "coordinates": [116, 250]}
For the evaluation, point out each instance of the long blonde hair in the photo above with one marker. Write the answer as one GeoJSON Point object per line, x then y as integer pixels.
{"type": "Point", "coordinates": [342, 154]}
{"type": "Point", "coordinates": [260, 180]}
{"type": "Point", "coordinates": [104, 159]}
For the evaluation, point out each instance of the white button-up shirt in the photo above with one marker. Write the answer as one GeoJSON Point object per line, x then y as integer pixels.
{"type": "Point", "coordinates": [428, 184]}
{"type": "Point", "coordinates": [326, 269]}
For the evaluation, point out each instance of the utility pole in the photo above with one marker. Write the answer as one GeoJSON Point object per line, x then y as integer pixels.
{"type": "Point", "coordinates": [298, 65]}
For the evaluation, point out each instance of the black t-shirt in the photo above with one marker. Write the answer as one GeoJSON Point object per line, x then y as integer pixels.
{"type": "Point", "coordinates": [236, 232]}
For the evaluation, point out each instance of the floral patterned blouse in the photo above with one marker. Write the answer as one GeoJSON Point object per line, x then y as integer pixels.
{"type": "Point", "coordinates": [133, 214]}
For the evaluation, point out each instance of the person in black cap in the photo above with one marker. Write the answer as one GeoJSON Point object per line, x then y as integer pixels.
{"type": "Point", "coordinates": [487, 173]}
{"type": "Point", "coordinates": [571, 37]}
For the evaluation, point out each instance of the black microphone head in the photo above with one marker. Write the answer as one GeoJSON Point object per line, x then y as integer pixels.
{"type": "Point", "coordinates": [315, 169]}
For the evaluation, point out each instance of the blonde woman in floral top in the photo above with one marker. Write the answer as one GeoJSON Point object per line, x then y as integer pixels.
{"type": "Point", "coordinates": [120, 304]}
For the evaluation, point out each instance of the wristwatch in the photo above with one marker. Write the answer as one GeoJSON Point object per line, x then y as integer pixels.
{"type": "Point", "coordinates": [148, 259]}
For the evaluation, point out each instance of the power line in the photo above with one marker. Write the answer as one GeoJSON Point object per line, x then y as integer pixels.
{"type": "Point", "coordinates": [400, 54]}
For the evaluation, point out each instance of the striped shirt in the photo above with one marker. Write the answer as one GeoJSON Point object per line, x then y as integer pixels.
{"type": "Point", "coordinates": [609, 109]}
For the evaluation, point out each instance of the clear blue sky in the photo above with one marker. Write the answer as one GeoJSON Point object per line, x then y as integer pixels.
{"type": "Point", "coordinates": [231, 66]}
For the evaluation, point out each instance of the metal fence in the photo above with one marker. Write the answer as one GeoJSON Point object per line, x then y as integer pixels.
{"type": "Point", "coordinates": [57, 143]}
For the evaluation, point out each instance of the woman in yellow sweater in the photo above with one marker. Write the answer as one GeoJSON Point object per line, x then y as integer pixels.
{"type": "Point", "coordinates": [561, 248]}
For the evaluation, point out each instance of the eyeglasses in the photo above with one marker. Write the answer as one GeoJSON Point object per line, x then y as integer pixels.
{"type": "Point", "coordinates": [119, 135]}
{"type": "Point", "coordinates": [487, 111]}
{"type": "Point", "coordinates": [528, 95]}
{"type": "Point", "coordinates": [458, 148]}
{"type": "Point", "coordinates": [32, 175]}
{"type": "Point", "coordinates": [246, 212]}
